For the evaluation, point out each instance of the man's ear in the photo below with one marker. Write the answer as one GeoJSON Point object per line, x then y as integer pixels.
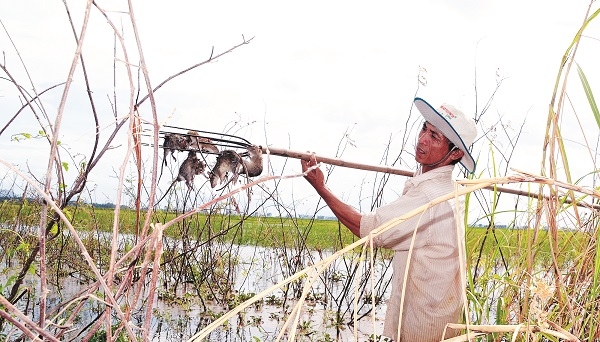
{"type": "Point", "coordinates": [457, 154]}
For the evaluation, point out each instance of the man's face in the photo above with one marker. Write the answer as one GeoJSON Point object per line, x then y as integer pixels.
{"type": "Point", "coordinates": [432, 147]}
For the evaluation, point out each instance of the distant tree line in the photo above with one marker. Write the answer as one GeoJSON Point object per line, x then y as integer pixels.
{"type": "Point", "coordinates": [9, 195]}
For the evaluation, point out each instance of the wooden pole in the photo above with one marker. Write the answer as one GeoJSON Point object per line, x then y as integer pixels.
{"type": "Point", "coordinates": [335, 161]}
{"type": "Point", "coordinates": [395, 171]}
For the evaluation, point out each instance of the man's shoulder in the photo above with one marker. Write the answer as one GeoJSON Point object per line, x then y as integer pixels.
{"type": "Point", "coordinates": [433, 184]}
{"type": "Point", "coordinates": [441, 175]}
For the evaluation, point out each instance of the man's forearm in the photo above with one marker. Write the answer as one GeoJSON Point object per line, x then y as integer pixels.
{"type": "Point", "coordinates": [346, 214]}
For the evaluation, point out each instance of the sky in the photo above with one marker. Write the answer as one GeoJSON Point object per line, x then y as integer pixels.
{"type": "Point", "coordinates": [316, 75]}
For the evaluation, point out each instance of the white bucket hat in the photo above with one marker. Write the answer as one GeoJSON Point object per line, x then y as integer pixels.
{"type": "Point", "coordinates": [453, 123]}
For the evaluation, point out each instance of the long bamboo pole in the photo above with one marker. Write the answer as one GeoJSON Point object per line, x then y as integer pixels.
{"type": "Point", "coordinates": [335, 161]}
{"type": "Point", "coordinates": [395, 171]}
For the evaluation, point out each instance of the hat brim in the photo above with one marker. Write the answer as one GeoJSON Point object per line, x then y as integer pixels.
{"type": "Point", "coordinates": [432, 116]}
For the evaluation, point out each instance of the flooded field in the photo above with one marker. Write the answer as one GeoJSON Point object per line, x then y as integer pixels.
{"type": "Point", "coordinates": [179, 315]}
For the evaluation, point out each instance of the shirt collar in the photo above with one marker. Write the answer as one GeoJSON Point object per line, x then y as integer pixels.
{"type": "Point", "coordinates": [440, 172]}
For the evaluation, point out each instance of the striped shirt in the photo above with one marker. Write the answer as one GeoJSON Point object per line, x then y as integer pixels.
{"type": "Point", "coordinates": [434, 284]}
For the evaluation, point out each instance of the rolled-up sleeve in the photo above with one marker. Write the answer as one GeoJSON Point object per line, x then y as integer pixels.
{"type": "Point", "coordinates": [399, 237]}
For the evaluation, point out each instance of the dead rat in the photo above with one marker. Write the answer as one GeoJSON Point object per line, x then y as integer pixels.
{"type": "Point", "coordinates": [230, 162]}
{"type": "Point", "coordinates": [185, 142]}
{"type": "Point", "coordinates": [201, 144]}
{"type": "Point", "coordinates": [190, 167]}
{"type": "Point", "coordinates": [173, 142]}
{"type": "Point", "coordinates": [254, 166]}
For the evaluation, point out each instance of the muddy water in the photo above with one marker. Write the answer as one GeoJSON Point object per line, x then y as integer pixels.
{"type": "Point", "coordinates": [257, 270]}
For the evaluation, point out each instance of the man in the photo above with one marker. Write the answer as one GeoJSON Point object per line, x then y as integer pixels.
{"type": "Point", "coordinates": [434, 282]}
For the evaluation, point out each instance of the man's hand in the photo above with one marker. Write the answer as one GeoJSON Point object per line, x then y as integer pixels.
{"type": "Point", "coordinates": [347, 215]}
{"type": "Point", "coordinates": [315, 176]}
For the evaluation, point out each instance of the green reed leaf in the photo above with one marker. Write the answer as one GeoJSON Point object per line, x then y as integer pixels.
{"type": "Point", "coordinates": [589, 94]}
